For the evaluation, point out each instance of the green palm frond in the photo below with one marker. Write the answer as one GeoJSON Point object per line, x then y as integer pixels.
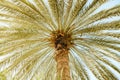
{"type": "Point", "coordinates": [33, 31]}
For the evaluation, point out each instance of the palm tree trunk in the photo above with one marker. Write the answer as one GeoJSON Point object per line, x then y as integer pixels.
{"type": "Point", "coordinates": [62, 59]}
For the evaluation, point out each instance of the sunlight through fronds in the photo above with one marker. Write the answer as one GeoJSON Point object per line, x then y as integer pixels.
{"type": "Point", "coordinates": [40, 37]}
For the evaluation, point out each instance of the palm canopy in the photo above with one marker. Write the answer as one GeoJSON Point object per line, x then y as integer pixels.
{"type": "Point", "coordinates": [26, 52]}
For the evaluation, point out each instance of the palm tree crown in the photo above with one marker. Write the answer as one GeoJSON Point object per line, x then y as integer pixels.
{"type": "Point", "coordinates": [38, 35]}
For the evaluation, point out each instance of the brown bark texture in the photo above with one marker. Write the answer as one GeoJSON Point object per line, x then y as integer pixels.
{"type": "Point", "coordinates": [62, 59]}
{"type": "Point", "coordinates": [62, 42]}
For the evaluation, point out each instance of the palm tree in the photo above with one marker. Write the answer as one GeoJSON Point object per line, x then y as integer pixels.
{"type": "Point", "coordinates": [59, 40]}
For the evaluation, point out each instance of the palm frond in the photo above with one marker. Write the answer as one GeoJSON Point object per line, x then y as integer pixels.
{"type": "Point", "coordinates": [94, 28]}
